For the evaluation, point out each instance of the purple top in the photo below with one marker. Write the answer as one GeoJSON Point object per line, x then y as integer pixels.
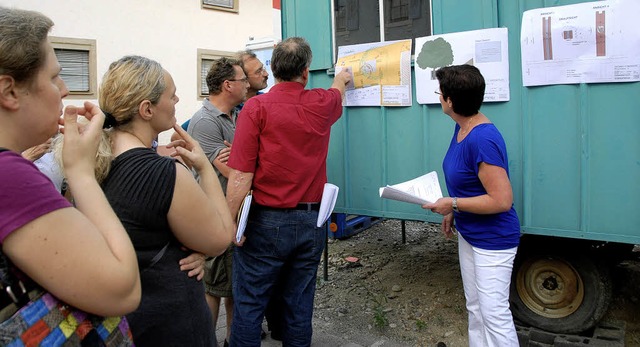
{"type": "Point", "coordinates": [25, 193]}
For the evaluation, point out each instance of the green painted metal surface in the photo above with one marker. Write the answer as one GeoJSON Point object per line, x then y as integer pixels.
{"type": "Point", "coordinates": [308, 19]}
{"type": "Point", "coordinates": [574, 150]}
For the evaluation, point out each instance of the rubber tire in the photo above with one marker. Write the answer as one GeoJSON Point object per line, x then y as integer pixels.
{"type": "Point", "coordinates": [596, 292]}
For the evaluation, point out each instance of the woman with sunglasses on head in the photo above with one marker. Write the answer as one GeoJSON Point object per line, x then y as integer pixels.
{"type": "Point", "coordinates": [481, 205]}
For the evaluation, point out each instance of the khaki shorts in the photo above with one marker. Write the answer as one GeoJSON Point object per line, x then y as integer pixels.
{"type": "Point", "coordinates": [217, 275]}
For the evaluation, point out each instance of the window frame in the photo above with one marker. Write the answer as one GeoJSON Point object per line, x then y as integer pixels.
{"type": "Point", "coordinates": [85, 45]}
{"type": "Point", "coordinates": [235, 8]}
{"type": "Point", "coordinates": [208, 54]}
{"type": "Point", "coordinates": [387, 18]}
{"type": "Point", "coordinates": [383, 16]}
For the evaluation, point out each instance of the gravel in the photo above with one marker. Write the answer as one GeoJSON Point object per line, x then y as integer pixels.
{"type": "Point", "coordinates": [410, 294]}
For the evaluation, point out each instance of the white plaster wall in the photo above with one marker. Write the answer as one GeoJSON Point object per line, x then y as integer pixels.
{"type": "Point", "coordinates": [169, 31]}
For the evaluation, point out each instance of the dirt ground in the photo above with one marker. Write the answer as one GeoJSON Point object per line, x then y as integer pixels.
{"type": "Point", "coordinates": [411, 294]}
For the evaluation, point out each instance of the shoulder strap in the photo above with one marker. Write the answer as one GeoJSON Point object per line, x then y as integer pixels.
{"type": "Point", "coordinates": [13, 289]}
{"type": "Point", "coordinates": [159, 255]}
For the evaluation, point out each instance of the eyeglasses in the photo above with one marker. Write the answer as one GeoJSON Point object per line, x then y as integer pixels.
{"type": "Point", "coordinates": [243, 80]}
{"type": "Point", "coordinates": [437, 92]}
{"type": "Point", "coordinates": [260, 71]}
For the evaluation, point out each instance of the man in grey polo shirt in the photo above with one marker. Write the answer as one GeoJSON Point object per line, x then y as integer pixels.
{"type": "Point", "coordinates": [215, 122]}
{"type": "Point", "coordinates": [213, 126]}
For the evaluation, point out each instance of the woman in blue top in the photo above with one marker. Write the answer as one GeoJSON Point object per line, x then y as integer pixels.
{"type": "Point", "coordinates": [477, 175]}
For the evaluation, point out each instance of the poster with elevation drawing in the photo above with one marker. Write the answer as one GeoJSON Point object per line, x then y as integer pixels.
{"type": "Point", "coordinates": [381, 73]}
{"type": "Point", "coordinates": [486, 49]}
{"type": "Point", "coordinates": [593, 42]}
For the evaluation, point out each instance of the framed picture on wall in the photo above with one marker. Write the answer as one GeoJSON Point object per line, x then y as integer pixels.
{"type": "Point", "coordinates": [221, 5]}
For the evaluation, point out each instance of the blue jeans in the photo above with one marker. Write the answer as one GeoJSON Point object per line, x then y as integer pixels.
{"type": "Point", "coordinates": [276, 239]}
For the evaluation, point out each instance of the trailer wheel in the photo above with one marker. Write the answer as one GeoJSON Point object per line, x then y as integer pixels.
{"type": "Point", "coordinates": [559, 294]}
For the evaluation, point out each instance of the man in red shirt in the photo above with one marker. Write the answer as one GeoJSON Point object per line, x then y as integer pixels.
{"type": "Point", "coordinates": [280, 151]}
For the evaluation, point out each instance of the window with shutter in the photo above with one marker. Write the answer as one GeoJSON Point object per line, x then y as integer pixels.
{"type": "Point", "coordinates": [75, 69]}
{"type": "Point", "coordinates": [206, 65]}
{"type": "Point", "coordinates": [77, 58]}
{"type": "Point", "coordinates": [205, 60]}
{"type": "Point", "coordinates": [222, 5]}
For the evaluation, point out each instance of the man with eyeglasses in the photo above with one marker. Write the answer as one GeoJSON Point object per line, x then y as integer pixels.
{"type": "Point", "coordinates": [255, 71]}
{"type": "Point", "coordinates": [257, 77]}
{"type": "Point", "coordinates": [213, 126]}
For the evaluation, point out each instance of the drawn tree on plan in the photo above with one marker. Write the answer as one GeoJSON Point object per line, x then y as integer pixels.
{"type": "Point", "coordinates": [435, 54]}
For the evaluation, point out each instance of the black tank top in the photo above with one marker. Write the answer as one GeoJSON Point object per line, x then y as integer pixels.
{"type": "Point", "coordinates": [173, 310]}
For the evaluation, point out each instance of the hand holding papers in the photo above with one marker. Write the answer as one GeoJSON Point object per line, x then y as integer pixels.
{"type": "Point", "coordinates": [329, 197]}
{"type": "Point", "coordinates": [421, 190]}
{"type": "Point", "coordinates": [243, 215]}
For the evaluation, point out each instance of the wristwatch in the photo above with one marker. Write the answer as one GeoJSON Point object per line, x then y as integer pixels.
{"type": "Point", "coordinates": [454, 205]}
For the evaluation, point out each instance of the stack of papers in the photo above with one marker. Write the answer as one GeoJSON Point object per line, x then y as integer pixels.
{"type": "Point", "coordinates": [329, 197]}
{"type": "Point", "coordinates": [421, 190]}
{"type": "Point", "coordinates": [243, 215]}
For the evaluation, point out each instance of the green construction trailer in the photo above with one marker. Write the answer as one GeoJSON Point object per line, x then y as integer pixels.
{"type": "Point", "coordinates": [574, 154]}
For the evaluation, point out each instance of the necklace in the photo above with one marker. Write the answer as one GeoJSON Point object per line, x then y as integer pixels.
{"type": "Point", "coordinates": [468, 126]}
{"type": "Point", "coordinates": [136, 137]}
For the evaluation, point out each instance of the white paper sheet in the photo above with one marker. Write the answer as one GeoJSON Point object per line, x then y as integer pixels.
{"type": "Point", "coordinates": [328, 202]}
{"type": "Point", "coordinates": [420, 190]}
{"type": "Point", "coordinates": [486, 49]}
{"type": "Point", "coordinates": [592, 42]}
{"type": "Point", "coordinates": [243, 215]}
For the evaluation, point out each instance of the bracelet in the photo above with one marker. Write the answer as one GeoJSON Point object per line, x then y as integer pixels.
{"type": "Point", "coordinates": [454, 205]}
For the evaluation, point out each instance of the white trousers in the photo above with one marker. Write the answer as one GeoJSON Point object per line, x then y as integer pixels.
{"type": "Point", "coordinates": [486, 276]}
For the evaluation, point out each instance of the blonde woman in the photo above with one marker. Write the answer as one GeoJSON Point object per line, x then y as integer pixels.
{"type": "Point", "coordinates": [161, 205]}
{"type": "Point", "coordinates": [81, 255]}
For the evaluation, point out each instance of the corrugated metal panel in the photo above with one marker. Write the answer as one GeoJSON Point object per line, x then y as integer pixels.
{"type": "Point", "coordinates": [574, 150]}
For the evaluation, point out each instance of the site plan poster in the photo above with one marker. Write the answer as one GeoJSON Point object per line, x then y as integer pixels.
{"type": "Point", "coordinates": [593, 42]}
{"type": "Point", "coordinates": [486, 49]}
{"type": "Point", "coordinates": [381, 73]}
